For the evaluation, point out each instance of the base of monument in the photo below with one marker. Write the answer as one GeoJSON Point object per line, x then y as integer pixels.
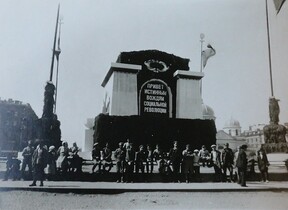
{"type": "Point", "coordinates": [154, 130]}
{"type": "Point", "coordinates": [275, 147]}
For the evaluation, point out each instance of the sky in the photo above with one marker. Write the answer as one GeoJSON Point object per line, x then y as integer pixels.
{"type": "Point", "coordinates": [94, 32]}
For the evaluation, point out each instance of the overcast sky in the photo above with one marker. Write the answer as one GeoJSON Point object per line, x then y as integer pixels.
{"type": "Point", "coordinates": [236, 82]}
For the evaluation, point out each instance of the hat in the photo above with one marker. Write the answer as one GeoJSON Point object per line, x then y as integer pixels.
{"type": "Point", "coordinates": [51, 148]}
{"type": "Point", "coordinates": [196, 150]}
{"type": "Point", "coordinates": [94, 145]}
{"type": "Point", "coordinates": [244, 146]}
{"type": "Point", "coordinates": [213, 145]}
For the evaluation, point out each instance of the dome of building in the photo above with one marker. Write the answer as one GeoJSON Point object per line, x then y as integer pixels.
{"type": "Point", "coordinates": [232, 123]}
{"type": "Point", "coordinates": [208, 112]}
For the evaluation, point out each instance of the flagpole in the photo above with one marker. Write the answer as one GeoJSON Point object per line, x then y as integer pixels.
{"type": "Point", "coordinates": [269, 50]}
{"type": "Point", "coordinates": [54, 45]}
{"type": "Point", "coordinates": [202, 36]}
{"type": "Point", "coordinates": [57, 52]}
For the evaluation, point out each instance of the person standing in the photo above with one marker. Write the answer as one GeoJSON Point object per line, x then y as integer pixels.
{"type": "Point", "coordinates": [150, 159]}
{"type": "Point", "coordinates": [129, 163]}
{"type": "Point", "coordinates": [241, 164]}
{"type": "Point", "coordinates": [27, 159]}
{"type": "Point", "coordinates": [227, 159]}
{"type": "Point", "coordinates": [119, 155]}
{"type": "Point", "coordinates": [159, 156]}
{"type": "Point", "coordinates": [216, 163]}
{"type": "Point", "coordinates": [204, 155]}
{"type": "Point", "coordinates": [126, 145]}
{"type": "Point", "coordinates": [39, 163]}
{"type": "Point", "coordinates": [263, 164]}
{"type": "Point", "coordinates": [51, 163]}
{"type": "Point", "coordinates": [140, 159]}
{"type": "Point", "coordinates": [175, 158]}
{"type": "Point", "coordinates": [196, 165]}
{"type": "Point", "coordinates": [188, 157]}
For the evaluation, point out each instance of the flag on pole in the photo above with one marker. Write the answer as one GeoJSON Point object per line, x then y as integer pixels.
{"type": "Point", "coordinates": [278, 4]}
{"type": "Point", "coordinates": [206, 54]}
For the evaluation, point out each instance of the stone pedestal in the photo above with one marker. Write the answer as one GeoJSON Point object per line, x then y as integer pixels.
{"type": "Point", "coordinates": [188, 101]}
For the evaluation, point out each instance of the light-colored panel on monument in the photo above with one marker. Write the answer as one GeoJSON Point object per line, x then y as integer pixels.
{"type": "Point", "coordinates": [188, 99]}
{"type": "Point", "coordinates": [124, 96]}
{"type": "Point", "coordinates": [88, 144]}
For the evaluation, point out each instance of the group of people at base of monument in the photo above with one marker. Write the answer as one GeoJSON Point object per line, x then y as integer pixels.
{"type": "Point", "coordinates": [43, 163]}
{"type": "Point", "coordinates": [175, 163]}
{"type": "Point", "coordinates": [47, 163]}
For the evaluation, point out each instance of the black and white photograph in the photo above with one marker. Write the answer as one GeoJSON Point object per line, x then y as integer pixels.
{"type": "Point", "coordinates": [147, 104]}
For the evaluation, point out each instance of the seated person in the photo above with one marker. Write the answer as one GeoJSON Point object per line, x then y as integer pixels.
{"type": "Point", "coordinates": [12, 168]}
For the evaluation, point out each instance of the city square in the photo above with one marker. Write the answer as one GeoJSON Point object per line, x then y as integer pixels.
{"type": "Point", "coordinates": [184, 99]}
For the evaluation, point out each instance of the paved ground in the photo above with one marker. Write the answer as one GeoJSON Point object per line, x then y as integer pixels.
{"type": "Point", "coordinates": [114, 188]}
{"type": "Point", "coordinates": [110, 195]}
{"type": "Point", "coordinates": [22, 200]}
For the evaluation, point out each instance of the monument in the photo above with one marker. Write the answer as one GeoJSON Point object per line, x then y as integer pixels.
{"type": "Point", "coordinates": [49, 124]}
{"type": "Point", "coordinates": [274, 133]}
{"type": "Point", "coordinates": [155, 99]}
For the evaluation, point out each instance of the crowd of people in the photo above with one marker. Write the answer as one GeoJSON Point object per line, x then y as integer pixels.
{"type": "Point", "coordinates": [228, 165]}
{"type": "Point", "coordinates": [45, 163]}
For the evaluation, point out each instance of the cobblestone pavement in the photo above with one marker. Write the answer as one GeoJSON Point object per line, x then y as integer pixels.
{"type": "Point", "coordinates": [20, 200]}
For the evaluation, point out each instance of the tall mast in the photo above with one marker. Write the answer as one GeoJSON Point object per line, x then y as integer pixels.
{"type": "Point", "coordinates": [57, 53]}
{"type": "Point", "coordinates": [269, 51]}
{"type": "Point", "coordinates": [54, 45]}
{"type": "Point", "coordinates": [202, 36]}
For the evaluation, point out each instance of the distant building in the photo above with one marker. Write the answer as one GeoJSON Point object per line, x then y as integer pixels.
{"type": "Point", "coordinates": [232, 127]}
{"type": "Point", "coordinates": [18, 124]}
{"type": "Point", "coordinates": [222, 138]}
{"type": "Point", "coordinates": [254, 136]}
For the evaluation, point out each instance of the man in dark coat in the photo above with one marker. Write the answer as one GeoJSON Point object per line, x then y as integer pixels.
{"type": "Point", "coordinates": [227, 158]}
{"type": "Point", "coordinates": [129, 163]}
{"type": "Point", "coordinates": [263, 164]}
{"type": "Point", "coordinates": [241, 164]}
{"type": "Point", "coordinates": [39, 163]}
{"type": "Point", "coordinates": [175, 158]}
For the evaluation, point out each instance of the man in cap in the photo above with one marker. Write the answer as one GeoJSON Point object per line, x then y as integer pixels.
{"type": "Point", "coordinates": [241, 164]}
{"type": "Point", "coordinates": [204, 155]}
{"type": "Point", "coordinates": [216, 163]}
{"type": "Point", "coordinates": [227, 159]}
{"type": "Point", "coordinates": [119, 155]}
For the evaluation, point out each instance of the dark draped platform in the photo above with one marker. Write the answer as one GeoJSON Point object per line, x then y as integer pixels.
{"type": "Point", "coordinates": [151, 130]}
